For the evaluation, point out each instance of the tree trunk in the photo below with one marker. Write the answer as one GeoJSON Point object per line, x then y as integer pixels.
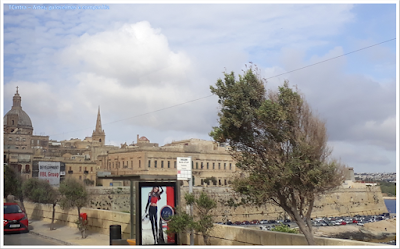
{"type": "Point", "coordinates": [307, 231]}
{"type": "Point", "coordinates": [52, 217]}
{"type": "Point", "coordinates": [80, 223]}
{"type": "Point", "coordinates": [307, 234]}
{"type": "Point", "coordinates": [21, 200]}
{"type": "Point", "coordinates": [205, 238]}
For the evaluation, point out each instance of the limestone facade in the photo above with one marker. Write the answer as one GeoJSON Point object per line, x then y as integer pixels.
{"type": "Point", "coordinates": [208, 160]}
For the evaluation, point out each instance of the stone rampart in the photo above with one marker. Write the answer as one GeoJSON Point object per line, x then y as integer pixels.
{"type": "Point", "coordinates": [343, 201]}
{"type": "Point", "coordinates": [109, 198]}
{"type": "Point", "coordinates": [346, 200]}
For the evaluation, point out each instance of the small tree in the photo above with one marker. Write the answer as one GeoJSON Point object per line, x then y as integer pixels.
{"type": "Point", "coordinates": [180, 223]}
{"type": "Point", "coordinates": [41, 191]}
{"type": "Point", "coordinates": [74, 194]}
{"type": "Point", "coordinates": [201, 221]}
{"type": "Point", "coordinates": [13, 185]}
{"type": "Point", "coordinates": [212, 179]}
{"type": "Point", "coordinates": [278, 143]}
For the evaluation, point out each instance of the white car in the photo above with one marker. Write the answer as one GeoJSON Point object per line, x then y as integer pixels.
{"type": "Point", "coordinates": [360, 224]}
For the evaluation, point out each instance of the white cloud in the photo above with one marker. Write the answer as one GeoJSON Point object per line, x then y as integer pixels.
{"type": "Point", "coordinates": [134, 54]}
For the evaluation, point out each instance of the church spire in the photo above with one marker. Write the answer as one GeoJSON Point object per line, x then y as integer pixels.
{"type": "Point", "coordinates": [17, 99]}
{"type": "Point", "coordinates": [98, 122]}
{"type": "Point", "coordinates": [99, 134]}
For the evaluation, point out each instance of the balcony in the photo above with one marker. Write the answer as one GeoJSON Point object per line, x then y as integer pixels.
{"type": "Point", "coordinates": [85, 172]}
{"type": "Point", "coordinates": [70, 171]}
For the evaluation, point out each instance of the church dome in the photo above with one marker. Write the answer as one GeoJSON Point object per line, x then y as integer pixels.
{"type": "Point", "coordinates": [23, 119]}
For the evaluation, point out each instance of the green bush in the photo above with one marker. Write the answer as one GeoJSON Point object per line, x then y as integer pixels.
{"type": "Point", "coordinates": [284, 229]}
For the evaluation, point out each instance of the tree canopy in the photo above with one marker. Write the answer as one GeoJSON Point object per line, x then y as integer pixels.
{"type": "Point", "coordinates": [201, 221]}
{"type": "Point", "coordinates": [74, 194]}
{"type": "Point", "coordinates": [40, 191]}
{"type": "Point", "coordinates": [12, 182]}
{"type": "Point", "coordinates": [278, 143]}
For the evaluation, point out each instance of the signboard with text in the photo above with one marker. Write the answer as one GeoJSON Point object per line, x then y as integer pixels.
{"type": "Point", "coordinates": [184, 167]}
{"type": "Point", "coordinates": [50, 171]}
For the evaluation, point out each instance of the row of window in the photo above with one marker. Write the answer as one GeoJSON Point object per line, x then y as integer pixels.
{"type": "Point", "coordinates": [17, 139]}
{"type": "Point", "coordinates": [162, 164]}
{"type": "Point", "coordinates": [124, 165]}
{"type": "Point", "coordinates": [214, 183]}
{"type": "Point", "coordinates": [80, 169]}
{"type": "Point", "coordinates": [17, 148]}
{"type": "Point", "coordinates": [202, 166]}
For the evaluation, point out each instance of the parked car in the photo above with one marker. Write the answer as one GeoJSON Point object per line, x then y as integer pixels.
{"type": "Point", "coordinates": [355, 221]}
{"type": "Point", "coordinates": [343, 223]}
{"type": "Point", "coordinates": [255, 222]}
{"type": "Point", "coordinates": [360, 224]}
{"type": "Point", "coordinates": [264, 222]}
{"type": "Point", "coordinates": [237, 223]}
{"type": "Point", "coordinates": [245, 222]}
{"type": "Point", "coordinates": [15, 219]}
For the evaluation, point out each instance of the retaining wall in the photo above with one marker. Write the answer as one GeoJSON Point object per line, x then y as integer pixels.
{"type": "Point", "coordinates": [234, 235]}
{"type": "Point", "coordinates": [100, 221]}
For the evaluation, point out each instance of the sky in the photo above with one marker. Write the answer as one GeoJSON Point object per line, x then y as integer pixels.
{"type": "Point", "coordinates": [149, 68]}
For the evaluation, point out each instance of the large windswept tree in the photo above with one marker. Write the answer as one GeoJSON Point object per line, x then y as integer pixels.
{"type": "Point", "coordinates": [279, 144]}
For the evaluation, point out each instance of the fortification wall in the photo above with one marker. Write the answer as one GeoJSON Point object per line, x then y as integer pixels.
{"type": "Point", "coordinates": [346, 200]}
{"type": "Point", "coordinates": [341, 202]}
{"type": "Point", "coordinates": [109, 198]}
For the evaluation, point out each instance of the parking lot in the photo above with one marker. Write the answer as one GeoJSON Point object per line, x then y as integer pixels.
{"type": "Point", "coordinates": [357, 220]}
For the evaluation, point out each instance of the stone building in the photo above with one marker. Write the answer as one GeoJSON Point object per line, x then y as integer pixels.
{"type": "Point", "coordinates": [18, 131]}
{"type": "Point", "coordinates": [209, 160]}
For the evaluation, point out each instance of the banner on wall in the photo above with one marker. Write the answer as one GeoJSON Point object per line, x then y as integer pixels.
{"type": "Point", "coordinates": [157, 207]}
{"type": "Point", "coordinates": [50, 171]}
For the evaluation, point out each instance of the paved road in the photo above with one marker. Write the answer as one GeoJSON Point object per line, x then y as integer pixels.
{"type": "Point", "coordinates": [28, 239]}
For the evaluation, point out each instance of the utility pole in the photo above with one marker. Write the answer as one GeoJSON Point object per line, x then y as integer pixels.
{"type": "Point", "coordinates": [184, 172]}
{"type": "Point", "coordinates": [191, 209]}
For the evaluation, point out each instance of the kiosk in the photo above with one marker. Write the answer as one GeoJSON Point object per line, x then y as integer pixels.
{"type": "Point", "coordinates": [153, 199]}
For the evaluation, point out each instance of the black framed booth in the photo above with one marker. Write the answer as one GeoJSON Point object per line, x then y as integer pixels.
{"type": "Point", "coordinates": [153, 199]}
